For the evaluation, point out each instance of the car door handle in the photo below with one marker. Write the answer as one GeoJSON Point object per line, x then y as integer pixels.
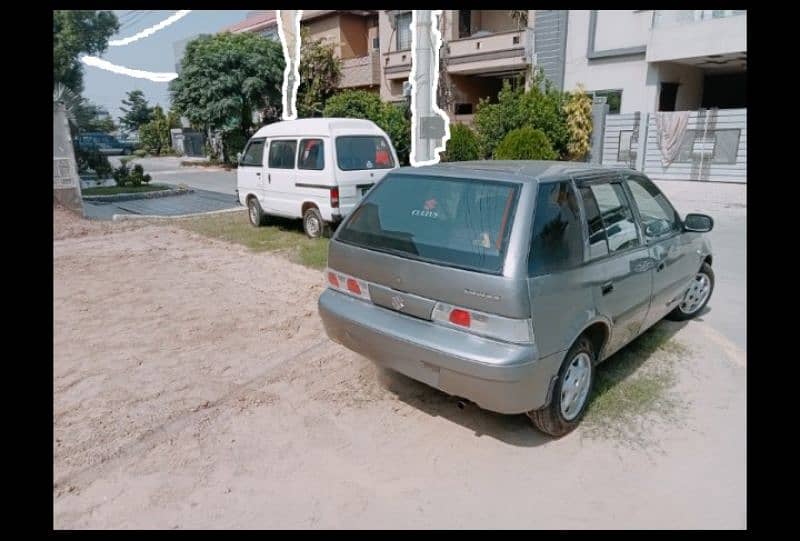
{"type": "Point", "coordinates": [660, 266]}
{"type": "Point", "coordinates": [607, 288]}
{"type": "Point", "coordinates": [269, 178]}
{"type": "Point", "coordinates": [258, 174]}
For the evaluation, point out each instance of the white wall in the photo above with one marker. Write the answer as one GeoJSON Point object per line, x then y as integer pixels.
{"type": "Point", "coordinates": [626, 73]}
{"type": "Point", "coordinates": [621, 28]}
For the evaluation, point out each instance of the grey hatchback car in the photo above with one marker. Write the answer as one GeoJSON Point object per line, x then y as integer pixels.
{"type": "Point", "coordinates": [505, 283]}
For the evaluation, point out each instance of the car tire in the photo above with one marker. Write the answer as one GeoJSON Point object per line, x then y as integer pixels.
{"type": "Point", "coordinates": [555, 419]}
{"type": "Point", "coordinates": [691, 304]}
{"type": "Point", "coordinates": [313, 224]}
{"type": "Point", "coordinates": [254, 212]}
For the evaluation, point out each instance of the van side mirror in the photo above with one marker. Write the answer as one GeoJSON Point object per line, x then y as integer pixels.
{"type": "Point", "coordinates": [698, 223]}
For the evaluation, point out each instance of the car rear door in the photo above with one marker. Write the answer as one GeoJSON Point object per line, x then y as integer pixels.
{"type": "Point", "coordinates": [671, 251]}
{"type": "Point", "coordinates": [620, 267]}
{"type": "Point", "coordinates": [361, 161]}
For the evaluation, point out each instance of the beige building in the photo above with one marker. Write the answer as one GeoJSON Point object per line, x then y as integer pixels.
{"type": "Point", "coordinates": [482, 48]}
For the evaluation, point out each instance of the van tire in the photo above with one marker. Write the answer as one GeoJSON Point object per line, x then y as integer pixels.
{"type": "Point", "coordinates": [313, 224]}
{"type": "Point", "coordinates": [679, 315]}
{"type": "Point", "coordinates": [550, 419]}
{"type": "Point", "coordinates": [254, 213]}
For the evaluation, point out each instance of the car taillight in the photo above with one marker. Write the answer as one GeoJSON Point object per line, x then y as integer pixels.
{"type": "Point", "coordinates": [335, 197]}
{"type": "Point", "coordinates": [347, 284]}
{"type": "Point", "coordinates": [460, 317]}
{"type": "Point", "coordinates": [518, 331]}
{"type": "Point", "coordinates": [333, 280]}
{"type": "Point", "coordinates": [352, 286]}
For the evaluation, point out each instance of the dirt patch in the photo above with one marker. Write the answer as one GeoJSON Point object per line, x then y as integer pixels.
{"type": "Point", "coordinates": [194, 387]}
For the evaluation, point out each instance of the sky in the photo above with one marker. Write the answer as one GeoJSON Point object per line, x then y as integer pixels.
{"type": "Point", "coordinates": [153, 53]}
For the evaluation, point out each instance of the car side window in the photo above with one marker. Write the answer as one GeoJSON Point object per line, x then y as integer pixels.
{"type": "Point", "coordinates": [598, 243]}
{"type": "Point", "coordinates": [557, 240]}
{"type": "Point", "coordinates": [254, 153]}
{"type": "Point", "coordinates": [617, 216]}
{"type": "Point", "coordinates": [311, 154]}
{"type": "Point", "coordinates": [281, 154]}
{"type": "Point", "coordinates": [659, 218]}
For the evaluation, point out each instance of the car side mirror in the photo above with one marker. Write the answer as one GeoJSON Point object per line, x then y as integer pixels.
{"type": "Point", "coordinates": [239, 158]}
{"type": "Point", "coordinates": [698, 223]}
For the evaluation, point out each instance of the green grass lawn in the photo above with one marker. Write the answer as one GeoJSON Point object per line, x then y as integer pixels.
{"type": "Point", "coordinates": [114, 190]}
{"type": "Point", "coordinates": [285, 236]}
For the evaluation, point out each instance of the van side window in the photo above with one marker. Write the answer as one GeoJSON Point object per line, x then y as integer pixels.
{"type": "Point", "coordinates": [254, 153]}
{"type": "Point", "coordinates": [557, 241]}
{"type": "Point", "coordinates": [311, 154]}
{"type": "Point", "coordinates": [281, 154]}
{"type": "Point", "coordinates": [618, 222]}
{"type": "Point", "coordinates": [598, 244]}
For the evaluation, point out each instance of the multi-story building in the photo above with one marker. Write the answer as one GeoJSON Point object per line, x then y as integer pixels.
{"type": "Point", "coordinates": [352, 33]}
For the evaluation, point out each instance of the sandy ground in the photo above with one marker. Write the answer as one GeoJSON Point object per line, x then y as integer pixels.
{"type": "Point", "coordinates": [195, 388]}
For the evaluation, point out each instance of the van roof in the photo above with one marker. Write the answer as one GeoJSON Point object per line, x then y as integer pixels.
{"type": "Point", "coordinates": [520, 170]}
{"type": "Point", "coordinates": [318, 126]}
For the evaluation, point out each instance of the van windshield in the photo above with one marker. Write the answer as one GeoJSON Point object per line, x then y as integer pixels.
{"type": "Point", "coordinates": [456, 222]}
{"type": "Point", "coordinates": [359, 152]}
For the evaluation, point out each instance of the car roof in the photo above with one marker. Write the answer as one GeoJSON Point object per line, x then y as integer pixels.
{"type": "Point", "coordinates": [517, 170]}
{"type": "Point", "coordinates": [318, 126]}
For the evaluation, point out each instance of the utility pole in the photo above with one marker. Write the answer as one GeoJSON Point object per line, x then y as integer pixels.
{"type": "Point", "coordinates": [289, 32]}
{"type": "Point", "coordinates": [429, 124]}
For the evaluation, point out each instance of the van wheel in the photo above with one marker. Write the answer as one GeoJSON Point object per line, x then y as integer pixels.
{"type": "Point", "coordinates": [313, 224]}
{"type": "Point", "coordinates": [570, 393]}
{"type": "Point", "coordinates": [696, 297]}
{"type": "Point", "coordinates": [254, 212]}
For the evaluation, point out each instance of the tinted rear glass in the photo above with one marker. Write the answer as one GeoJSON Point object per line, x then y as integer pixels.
{"type": "Point", "coordinates": [457, 222]}
{"type": "Point", "coordinates": [359, 152]}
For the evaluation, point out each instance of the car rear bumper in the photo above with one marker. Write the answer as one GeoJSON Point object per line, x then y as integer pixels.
{"type": "Point", "coordinates": [497, 376]}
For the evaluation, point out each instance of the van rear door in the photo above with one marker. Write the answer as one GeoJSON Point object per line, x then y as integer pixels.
{"type": "Point", "coordinates": [361, 161]}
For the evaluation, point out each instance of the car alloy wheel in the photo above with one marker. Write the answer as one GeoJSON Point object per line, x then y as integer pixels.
{"type": "Point", "coordinates": [697, 294]}
{"type": "Point", "coordinates": [575, 388]}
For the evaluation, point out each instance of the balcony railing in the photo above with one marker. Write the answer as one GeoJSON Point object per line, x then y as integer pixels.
{"type": "Point", "coordinates": [361, 71]}
{"type": "Point", "coordinates": [397, 64]}
{"type": "Point", "coordinates": [512, 49]}
{"type": "Point", "coordinates": [670, 17]}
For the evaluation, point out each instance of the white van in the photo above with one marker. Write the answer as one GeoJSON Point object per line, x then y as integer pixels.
{"type": "Point", "coordinates": [316, 169]}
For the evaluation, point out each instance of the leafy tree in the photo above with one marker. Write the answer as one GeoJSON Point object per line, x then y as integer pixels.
{"type": "Point", "coordinates": [155, 134]}
{"type": "Point", "coordinates": [224, 79]}
{"type": "Point", "coordinates": [462, 146]}
{"type": "Point", "coordinates": [137, 111]}
{"type": "Point", "coordinates": [76, 32]}
{"type": "Point", "coordinates": [389, 117]}
{"type": "Point", "coordinates": [320, 72]}
{"type": "Point", "coordinates": [525, 144]}
{"type": "Point", "coordinates": [578, 108]}
{"type": "Point", "coordinates": [539, 107]}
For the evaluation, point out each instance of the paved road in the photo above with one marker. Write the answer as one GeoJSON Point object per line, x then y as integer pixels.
{"type": "Point", "coordinates": [727, 204]}
{"type": "Point", "coordinates": [213, 190]}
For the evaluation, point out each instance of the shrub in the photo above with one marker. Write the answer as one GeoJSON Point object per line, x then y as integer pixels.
{"type": "Point", "coordinates": [525, 144]}
{"type": "Point", "coordinates": [93, 160]}
{"type": "Point", "coordinates": [578, 109]}
{"type": "Point", "coordinates": [121, 175]}
{"type": "Point", "coordinates": [390, 118]}
{"type": "Point", "coordinates": [462, 146]}
{"type": "Point", "coordinates": [540, 107]}
{"type": "Point", "coordinates": [141, 153]}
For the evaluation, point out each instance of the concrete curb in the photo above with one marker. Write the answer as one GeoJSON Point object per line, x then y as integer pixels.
{"type": "Point", "coordinates": [143, 195]}
{"type": "Point", "coordinates": [128, 217]}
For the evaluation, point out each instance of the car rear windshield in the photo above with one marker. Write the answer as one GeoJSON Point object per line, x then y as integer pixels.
{"type": "Point", "coordinates": [359, 152]}
{"type": "Point", "coordinates": [456, 222]}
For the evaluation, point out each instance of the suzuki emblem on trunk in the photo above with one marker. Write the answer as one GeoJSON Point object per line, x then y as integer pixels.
{"type": "Point", "coordinates": [397, 302]}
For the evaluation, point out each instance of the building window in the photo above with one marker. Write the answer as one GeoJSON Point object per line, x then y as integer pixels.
{"type": "Point", "coordinates": [404, 31]}
{"type": "Point", "coordinates": [613, 99]}
{"type": "Point", "coordinates": [464, 23]}
{"type": "Point", "coordinates": [463, 108]}
{"type": "Point", "coordinates": [668, 96]}
{"type": "Point", "coordinates": [376, 43]}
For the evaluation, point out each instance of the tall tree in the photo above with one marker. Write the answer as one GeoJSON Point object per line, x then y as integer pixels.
{"type": "Point", "coordinates": [137, 111]}
{"type": "Point", "coordinates": [76, 32]}
{"type": "Point", "coordinates": [226, 78]}
{"type": "Point", "coordinates": [320, 72]}
{"type": "Point", "coordinates": [155, 134]}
